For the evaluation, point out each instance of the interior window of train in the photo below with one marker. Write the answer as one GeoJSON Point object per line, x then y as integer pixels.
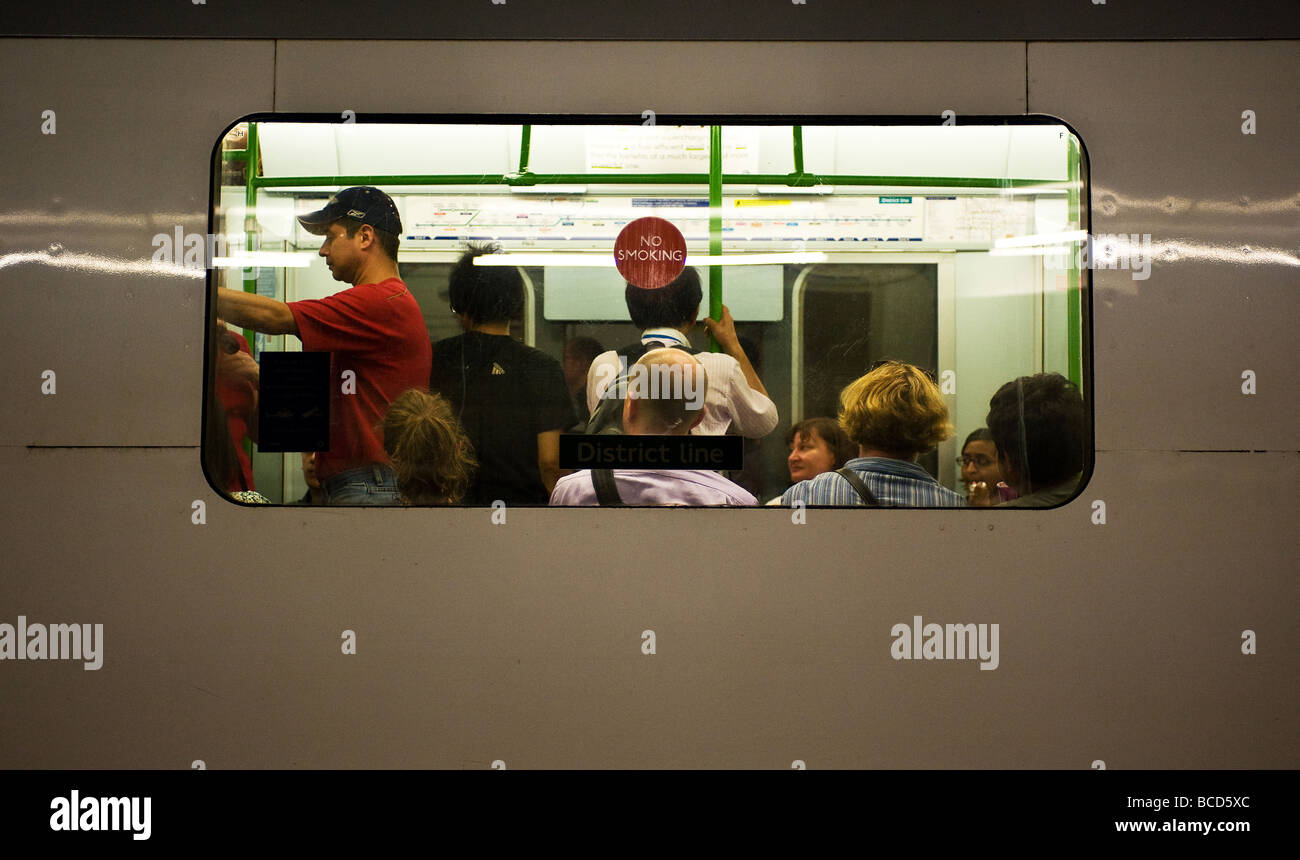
{"type": "Point", "coordinates": [862, 313]}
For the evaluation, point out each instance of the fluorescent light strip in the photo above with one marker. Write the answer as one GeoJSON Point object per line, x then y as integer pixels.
{"type": "Point", "coordinates": [1040, 251]}
{"type": "Point", "coordinates": [269, 259]}
{"type": "Point", "coordinates": [1043, 239]}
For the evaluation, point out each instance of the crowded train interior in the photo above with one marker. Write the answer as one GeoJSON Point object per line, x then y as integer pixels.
{"type": "Point", "coordinates": [956, 245]}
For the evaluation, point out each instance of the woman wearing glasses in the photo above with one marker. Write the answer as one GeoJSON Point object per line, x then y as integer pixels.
{"type": "Point", "coordinates": [979, 470]}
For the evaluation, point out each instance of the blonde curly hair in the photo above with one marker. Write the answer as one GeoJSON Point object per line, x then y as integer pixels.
{"type": "Point", "coordinates": [429, 451]}
{"type": "Point", "coordinates": [895, 408]}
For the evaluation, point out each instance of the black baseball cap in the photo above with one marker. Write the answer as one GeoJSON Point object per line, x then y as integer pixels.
{"type": "Point", "coordinates": [360, 203]}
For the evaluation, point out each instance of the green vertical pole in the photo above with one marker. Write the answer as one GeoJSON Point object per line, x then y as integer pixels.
{"type": "Point", "coordinates": [250, 216]}
{"type": "Point", "coordinates": [1074, 296]}
{"type": "Point", "coordinates": [715, 225]}
{"type": "Point", "coordinates": [798, 149]}
{"type": "Point", "coordinates": [524, 142]}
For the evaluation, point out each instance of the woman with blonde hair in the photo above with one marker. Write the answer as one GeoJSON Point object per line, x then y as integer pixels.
{"type": "Point", "coordinates": [893, 414]}
{"type": "Point", "coordinates": [429, 451]}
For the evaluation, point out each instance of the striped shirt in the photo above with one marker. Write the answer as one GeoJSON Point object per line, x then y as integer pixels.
{"type": "Point", "coordinates": [895, 483]}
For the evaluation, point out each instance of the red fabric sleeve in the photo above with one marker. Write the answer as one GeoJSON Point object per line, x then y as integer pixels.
{"type": "Point", "coordinates": [343, 322]}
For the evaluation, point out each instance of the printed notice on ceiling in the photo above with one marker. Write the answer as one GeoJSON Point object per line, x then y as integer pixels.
{"type": "Point", "coordinates": [977, 219]}
{"type": "Point", "coordinates": [668, 149]}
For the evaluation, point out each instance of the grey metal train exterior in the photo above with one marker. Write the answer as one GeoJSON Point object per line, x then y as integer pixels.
{"type": "Point", "coordinates": [1120, 642]}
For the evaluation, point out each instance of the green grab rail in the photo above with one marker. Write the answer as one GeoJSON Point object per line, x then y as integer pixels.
{"type": "Point", "coordinates": [715, 226]}
{"type": "Point", "coordinates": [1074, 294]}
{"type": "Point", "coordinates": [792, 180]}
{"type": "Point", "coordinates": [250, 210]}
{"type": "Point", "coordinates": [714, 180]}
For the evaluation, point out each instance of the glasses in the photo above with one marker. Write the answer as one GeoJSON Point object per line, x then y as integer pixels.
{"type": "Point", "coordinates": [979, 460]}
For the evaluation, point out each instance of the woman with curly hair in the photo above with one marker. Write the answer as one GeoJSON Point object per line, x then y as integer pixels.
{"type": "Point", "coordinates": [429, 451]}
{"type": "Point", "coordinates": [893, 414]}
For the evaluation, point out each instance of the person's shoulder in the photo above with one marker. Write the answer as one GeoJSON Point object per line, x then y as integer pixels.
{"type": "Point", "coordinates": [718, 359]}
{"type": "Point", "coordinates": [533, 358]}
{"type": "Point", "coordinates": [573, 478]}
{"type": "Point", "coordinates": [734, 493]}
{"type": "Point", "coordinates": [952, 499]}
{"type": "Point", "coordinates": [741, 496]}
{"type": "Point", "coordinates": [447, 343]}
{"type": "Point", "coordinates": [573, 489]}
{"type": "Point", "coordinates": [371, 290]}
{"type": "Point", "coordinates": [813, 487]}
{"type": "Point", "coordinates": [387, 287]}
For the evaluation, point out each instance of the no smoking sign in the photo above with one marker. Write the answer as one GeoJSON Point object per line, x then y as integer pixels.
{"type": "Point", "coordinates": [650, 253]}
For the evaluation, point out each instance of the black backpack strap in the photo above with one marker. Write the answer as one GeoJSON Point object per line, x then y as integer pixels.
{"type": "Point", "coordinates": [635, 351]}
{"type": "Point", "coordinates": [631, 353]}
{"type": "Point", "coordinates": [606, 489]}
{"type": "Point", "coordinates": [868, 498]}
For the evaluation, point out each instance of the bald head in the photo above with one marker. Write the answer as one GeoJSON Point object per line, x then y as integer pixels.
{"type": "Point", "coordinates": [665, 394]}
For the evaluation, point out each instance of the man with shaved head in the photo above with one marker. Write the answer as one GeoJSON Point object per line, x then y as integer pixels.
{"type": "Point", "coordinates": [666, 393]}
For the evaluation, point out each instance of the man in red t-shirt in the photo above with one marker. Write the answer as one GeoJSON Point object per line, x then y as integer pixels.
{"type": "Point", "coordinates": [375, 333]}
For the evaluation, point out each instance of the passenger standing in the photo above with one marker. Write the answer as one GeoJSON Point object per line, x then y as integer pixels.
{"type": "Point", "coordinates": [374, 330]}
{"type": "Point", "coordinates": [666, 316]}
{"type": "Point", "coordinates": [670, 412]}
{"type": "Point", "coordinates": [428, 450]}
{"type": "Point", "coordinates": [895, 413]}
{"type": "Point", "coordinates": [510, 398]}
{"type": "Point", "coordinates": [979, 470]}
{"type": "Point", "coordinates": [816, 445]}
{"type": "Point", "coordinates": [579, 353]}
{"type": "Point", "coordinates": [236, 385]}
{"type": "Point", "coordinates": [1038, 424]}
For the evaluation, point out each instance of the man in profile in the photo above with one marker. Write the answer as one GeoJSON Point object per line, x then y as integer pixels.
{"type": "Point", "coordinates": [375, 334]}
{"type": "Point", "coordinates": [1038, 424]}
{"type": "Point", "coordinates": [675, 406]}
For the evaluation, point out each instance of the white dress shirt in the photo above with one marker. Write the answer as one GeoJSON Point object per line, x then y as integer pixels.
{"type": "Point", "coordinates": [731, 400]}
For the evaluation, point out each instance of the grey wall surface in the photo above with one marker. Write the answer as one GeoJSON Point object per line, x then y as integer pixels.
{"type": "Point", "coordinates": [522, 642]}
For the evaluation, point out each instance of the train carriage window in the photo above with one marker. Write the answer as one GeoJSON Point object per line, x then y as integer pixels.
{"type": "Point", "coordinates": [907, 313]}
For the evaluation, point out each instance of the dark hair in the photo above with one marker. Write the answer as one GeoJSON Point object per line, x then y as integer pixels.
{"type": "Point", "coordinates": [387, 241]}
{"type": "Point", "coordinates": [980, 435]}
{"type": "Point", "coordinates": [584, 347]}
{"type": "Point", "coordinates": [429, 451]}
{"type": "Point", "coordinates": [667, 307]}
{"type": "Point", "coordinates": [830, 432]}
{"type": "Point", "coordinates": [486, 294]}
{"type": "Point", "coordinates": [1037, 423]}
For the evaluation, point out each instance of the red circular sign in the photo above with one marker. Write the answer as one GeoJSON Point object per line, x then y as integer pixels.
{"type": "Point", "coordinates": [650, 253]}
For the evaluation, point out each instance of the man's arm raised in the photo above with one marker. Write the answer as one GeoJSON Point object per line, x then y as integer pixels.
{"type": "Point", "coordinates": [724, 332]}
{"type": "Point", "coordinates": [259, 313]}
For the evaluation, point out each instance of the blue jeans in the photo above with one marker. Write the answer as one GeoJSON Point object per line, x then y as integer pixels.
{"type": "Point", "coordinates": [368, 485]}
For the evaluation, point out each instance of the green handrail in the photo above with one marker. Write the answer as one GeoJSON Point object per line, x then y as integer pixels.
{"type": "Point", "coordinates": [714, 180]}
{"type": "Point", "coordinates": [800, 179]}
{"type": "Point", "coordinates": [250, 209]}
{"type": "Point", "coordinates": [525, 141]}
{"type": "Point", "coordinates": [715, 226]}
{"type": "Point", "coordinates": [792, 180]}
{"type": "Point", "coordinates": [1074, 294]}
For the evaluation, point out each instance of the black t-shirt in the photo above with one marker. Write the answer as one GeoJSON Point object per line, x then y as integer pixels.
{"type": "Point", "coordinates": [505, 394]}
